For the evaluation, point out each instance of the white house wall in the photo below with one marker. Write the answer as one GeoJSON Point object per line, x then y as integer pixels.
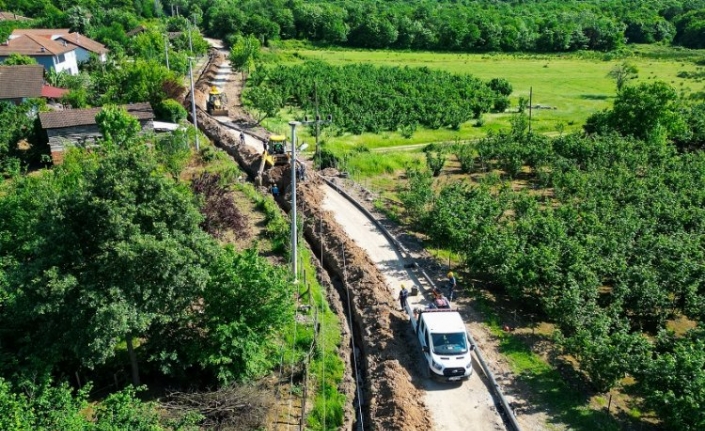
{"type": "Point", "coordinates": [70, 64]}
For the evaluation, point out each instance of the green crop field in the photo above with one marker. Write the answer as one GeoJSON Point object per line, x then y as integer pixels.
{"type": "Point", "coordinates": [571, 86]}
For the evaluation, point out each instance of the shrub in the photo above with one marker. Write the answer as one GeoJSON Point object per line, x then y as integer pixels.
{"type": "Point", "coordinates": [501, 86]}
{"type": "Point", "coordinates": [327, 159]}
{"type": "Point", "coordinates": [170, 110]}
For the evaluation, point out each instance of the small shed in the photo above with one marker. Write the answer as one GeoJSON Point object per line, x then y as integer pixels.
{"type": "Point", "coordinates": [77, 127]}
{"type": "Point", "coordinates": [18, 83]}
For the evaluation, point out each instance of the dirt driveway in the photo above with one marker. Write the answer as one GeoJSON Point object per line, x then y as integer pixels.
{"type": "Point", "coordinates": [453, 406]}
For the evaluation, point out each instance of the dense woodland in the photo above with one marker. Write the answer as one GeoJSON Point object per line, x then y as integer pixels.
{"type": "Point", "coordinates": [511, 25]}
{"type": "Point", "coordinates": [608, 244]}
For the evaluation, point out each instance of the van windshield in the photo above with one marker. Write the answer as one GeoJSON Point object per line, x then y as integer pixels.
{"type": "Point", "coordinates": [449, 344]}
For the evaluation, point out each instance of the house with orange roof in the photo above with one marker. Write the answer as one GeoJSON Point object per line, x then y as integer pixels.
{"type": "Point", "coordinates": [84, 46]}
{"type": "Point", "coordinates": [51, 54]}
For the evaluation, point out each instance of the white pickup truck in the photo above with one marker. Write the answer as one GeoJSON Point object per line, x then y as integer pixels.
{"type": "Point", "coordinates": [444, 342]}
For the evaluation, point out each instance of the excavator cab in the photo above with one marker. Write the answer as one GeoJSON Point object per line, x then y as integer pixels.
{"type": "Point", "coordinates": [275, 154]}
{"type": "Point", "coordinates": [277, 144]}
{"type": "Point", "coordinates": [216, 102]}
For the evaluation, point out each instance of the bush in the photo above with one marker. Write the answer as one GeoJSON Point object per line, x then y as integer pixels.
{"type": "Point", "coordinates": [170, 110]}
{"type": "Point", "coordinates": [208, 154]}
{"type": "Point", "coordinates": [327, 159]}
{"type": "Point", "coordinates": [501, 104]}
{"type": "Point", "coordinates": [466, 157]}
{"type": "Point", "coordinates": [435, 160]}
{"type": "Point", "coordinates": [501, 86]}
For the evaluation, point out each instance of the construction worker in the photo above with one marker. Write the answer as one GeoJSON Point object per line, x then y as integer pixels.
{"type": "Point", "coordinates": [242, 138]}
{"type": "Point", "coordinates": [275, 190]}
{"type": "Point", "coordinates": [452, 284]}
{"type": "Point", "coordinates": [403, 296]}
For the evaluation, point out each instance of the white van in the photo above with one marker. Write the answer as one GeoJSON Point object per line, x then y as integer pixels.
{"type": "Point", "coordinates": [444, 342]}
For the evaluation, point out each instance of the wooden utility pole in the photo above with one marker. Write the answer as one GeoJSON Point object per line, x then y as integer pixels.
{"type": "Point", "coordinates": [318, 117]}
{"type": "Point", "coordinates": [531, 93]}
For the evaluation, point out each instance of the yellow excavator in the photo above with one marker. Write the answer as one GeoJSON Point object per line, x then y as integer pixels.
{"type": "Point", "coordinates": [216, 102]}
{"type": "Point", "coordinates": [275, 151]}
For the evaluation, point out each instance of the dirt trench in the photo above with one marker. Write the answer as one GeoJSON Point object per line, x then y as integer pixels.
{"type": "Point", "coordinates": [390, 399]}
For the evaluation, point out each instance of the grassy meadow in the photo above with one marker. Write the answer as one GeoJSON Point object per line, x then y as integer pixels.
{"type": "Point", "coordinates": [575, 84]}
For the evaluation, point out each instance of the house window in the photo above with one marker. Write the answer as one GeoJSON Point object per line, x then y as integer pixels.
{"type": "Point", "coordinates": [62, 58]}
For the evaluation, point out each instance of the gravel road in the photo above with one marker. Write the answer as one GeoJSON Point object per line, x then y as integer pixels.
{"type": "Point", "coordinates": [454, 407]}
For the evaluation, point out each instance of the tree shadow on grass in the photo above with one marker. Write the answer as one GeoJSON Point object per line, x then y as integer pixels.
{"type": "Point", "coordinates": [556, 390]}
{"type": "Point", "coordinates": [595, 96]}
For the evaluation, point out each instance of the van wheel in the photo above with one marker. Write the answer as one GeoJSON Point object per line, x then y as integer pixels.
{"type": "Point", "coordinates": [426, 372]}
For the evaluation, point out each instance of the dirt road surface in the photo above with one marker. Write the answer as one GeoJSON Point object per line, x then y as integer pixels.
{"type": "Point", "coordinates": [454, 407]}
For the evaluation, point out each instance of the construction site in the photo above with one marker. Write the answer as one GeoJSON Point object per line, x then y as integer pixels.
{"type": "Point", "coordinates": [365, 261]}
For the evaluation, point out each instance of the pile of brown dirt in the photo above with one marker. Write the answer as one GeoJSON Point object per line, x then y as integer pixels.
{"type": "Point", "coordinates": [391, 400]}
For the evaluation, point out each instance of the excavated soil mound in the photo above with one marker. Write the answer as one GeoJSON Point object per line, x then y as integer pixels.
{"type": "Point", "coordinates": [390, 400]}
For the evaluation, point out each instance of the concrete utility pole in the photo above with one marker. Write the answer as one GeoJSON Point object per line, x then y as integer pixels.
{"type": "Point", "coordinates": [193, 103]}
{"type": "Point", "coordinates": [294, 234]}
{"type": "Point", "coordinates": [166, 49]}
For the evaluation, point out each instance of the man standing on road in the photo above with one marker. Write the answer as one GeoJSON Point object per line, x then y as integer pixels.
{"type": "Point", "coordinates": [452, 284]}
{"type": "Point", "coordinates": [403, 295]}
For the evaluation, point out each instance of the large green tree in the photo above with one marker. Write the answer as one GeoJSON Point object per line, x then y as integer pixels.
{"type": "Point", "coordinates": [95, 253]}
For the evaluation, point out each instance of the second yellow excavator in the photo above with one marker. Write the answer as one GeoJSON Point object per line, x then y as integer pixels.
{"type": "Point", "coordinates": [216, 103]}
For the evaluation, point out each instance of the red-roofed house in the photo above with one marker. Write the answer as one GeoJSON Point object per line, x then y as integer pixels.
{"type": "Point", "coordinates": [18, 83]}
{"type": "Point", "coordinates": [84, 46]}
{"type": "Point", "coordinates": [51, 54]}
{"type": "Point", "coordinates": [77, 127]}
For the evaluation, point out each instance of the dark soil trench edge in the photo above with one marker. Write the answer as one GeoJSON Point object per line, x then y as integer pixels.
{"type": "Point", "coordinates": [386, 383]}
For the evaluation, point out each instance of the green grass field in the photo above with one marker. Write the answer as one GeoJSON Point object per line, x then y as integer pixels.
{"type": "Point", "coordinates": [576, 85]}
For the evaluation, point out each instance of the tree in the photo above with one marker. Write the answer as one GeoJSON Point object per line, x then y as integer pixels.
{"type": "Point", "coordinates": [117, 126]}
{"type": "Point", "coordinates": [78, 19]}
{"type": "Point", "coordinates": [246, 302]}
{"type": "Point", "coordinates": [623, 73]}
{"type": "Point", "coordinates": [17, 123]}
{"type": "Point", "coordinates": [103, 249]}
{"type": "Point", "coordinates": [243, 54]}
{"type": "Point", "coordinates": [15, 59]}
{"type": "Point", "coordinates": [673, 381]}
{"type": "Point", "coordinates": [640, 110]}
{"type": "Point", "coordinates": [265, 100]}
